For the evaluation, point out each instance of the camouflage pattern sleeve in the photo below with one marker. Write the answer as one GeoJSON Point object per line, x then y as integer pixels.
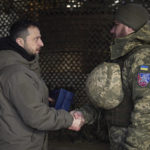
{"type": "Point", "coordinates": [90, 113]}
{"type": "Point", "coordinates": [117, 136]}
{"type": "Point", "coordinates": [138, 134]}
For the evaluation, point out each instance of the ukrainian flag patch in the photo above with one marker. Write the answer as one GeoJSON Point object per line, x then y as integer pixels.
{"type": "Point", "coordinates": [145, 68]}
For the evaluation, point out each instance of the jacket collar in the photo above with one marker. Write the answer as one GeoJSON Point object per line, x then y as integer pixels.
{"type": "Point", "coordinates": [122, 46]}
{"type": "Point", "coordinates": [7, 44]}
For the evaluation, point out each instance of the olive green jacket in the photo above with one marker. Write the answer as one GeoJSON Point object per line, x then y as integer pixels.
{"type": "Point", "coordinates": [25, 116]}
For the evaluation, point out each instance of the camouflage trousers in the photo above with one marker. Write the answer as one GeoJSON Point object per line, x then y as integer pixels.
{"type": "Point", "coordinates": [138, 138]}
{"type": "Point", "coordinates": [117, 137]}
{"type": "Point", "coordinates": [129, 138]}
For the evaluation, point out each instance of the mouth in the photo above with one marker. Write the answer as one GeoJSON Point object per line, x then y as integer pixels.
{"type": "Point", "coordinates": [38, 50]}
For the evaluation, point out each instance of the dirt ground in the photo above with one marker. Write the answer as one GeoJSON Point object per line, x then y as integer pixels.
{"type": "Point", "coordinates": [78, 146]}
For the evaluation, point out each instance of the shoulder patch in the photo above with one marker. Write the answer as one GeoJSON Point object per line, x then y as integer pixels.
{"type": "Point", "coordinates": [143, 79]}
{"type": "Point", "coordinates": [145, 68]}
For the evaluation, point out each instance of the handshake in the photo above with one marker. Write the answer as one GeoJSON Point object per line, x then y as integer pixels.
{"type": "Point", "coordinates": [78, 120]}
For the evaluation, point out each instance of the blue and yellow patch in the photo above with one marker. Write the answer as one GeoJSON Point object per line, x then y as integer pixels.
{"type": "Point", "coordinates": [144, 68]}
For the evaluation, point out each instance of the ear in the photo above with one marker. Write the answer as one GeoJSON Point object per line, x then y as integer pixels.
{"type": "Point", "coordinates": [20, 42]}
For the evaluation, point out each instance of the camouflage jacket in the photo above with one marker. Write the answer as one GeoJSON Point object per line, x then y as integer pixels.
{"type": "Point", "coordinates": [136, 86]}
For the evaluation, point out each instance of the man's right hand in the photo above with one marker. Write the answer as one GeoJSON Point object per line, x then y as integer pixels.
{"type": "Point", "coordinates": [78, 121]}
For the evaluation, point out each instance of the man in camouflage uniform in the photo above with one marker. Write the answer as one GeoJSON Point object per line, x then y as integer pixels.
{"type": "Point", "coordinates": [129, 122]}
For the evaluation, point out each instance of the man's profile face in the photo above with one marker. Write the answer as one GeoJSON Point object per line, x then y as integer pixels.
{"type": "Point", "coordinates": [33, 42]}
{"type": "Point", "coordinates": [120, 30]}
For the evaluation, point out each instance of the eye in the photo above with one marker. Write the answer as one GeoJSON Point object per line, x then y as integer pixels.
{"type": "Point", "coordinates": [36, 39]}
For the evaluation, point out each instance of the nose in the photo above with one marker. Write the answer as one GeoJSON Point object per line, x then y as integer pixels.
{"type": "Point", "coordinates": [112, 30]}
{"type": "Point", "coordinates": [41, 43]}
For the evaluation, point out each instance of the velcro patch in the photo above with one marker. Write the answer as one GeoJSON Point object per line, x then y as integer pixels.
{"type": "Point", "coordinates": [145, 68]}
{"type": "Point", "coordinates": [143, 79]}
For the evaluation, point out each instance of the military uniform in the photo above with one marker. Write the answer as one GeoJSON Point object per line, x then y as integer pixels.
{"type": "Point", "coordinates": [135, 77]}
{"type": "Point", "coordinates": [130, 121]}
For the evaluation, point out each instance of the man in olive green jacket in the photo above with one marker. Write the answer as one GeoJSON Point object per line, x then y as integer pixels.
{"type": "Point", "coordinates": [25, 116]}
{"type": "Point", "coordinates": [129, 122]}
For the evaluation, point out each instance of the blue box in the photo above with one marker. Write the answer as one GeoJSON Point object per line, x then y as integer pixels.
{"type": "Point", "coordinates": [63, 98]}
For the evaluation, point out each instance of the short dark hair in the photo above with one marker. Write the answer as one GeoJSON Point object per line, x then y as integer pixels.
{"type": "Point", "coordinates": [20, 29]}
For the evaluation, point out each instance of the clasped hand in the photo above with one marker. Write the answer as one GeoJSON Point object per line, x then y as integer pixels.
{"type": "Point", "coordinates": [78, 120]}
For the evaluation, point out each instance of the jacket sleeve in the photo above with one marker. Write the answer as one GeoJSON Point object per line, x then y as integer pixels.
{"type": "Point", "coordinates": [138, 135]}
{"type": "Point", "coordinates": [27, 100]}
{"type": "Point", "coordinates": [90, 113]}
